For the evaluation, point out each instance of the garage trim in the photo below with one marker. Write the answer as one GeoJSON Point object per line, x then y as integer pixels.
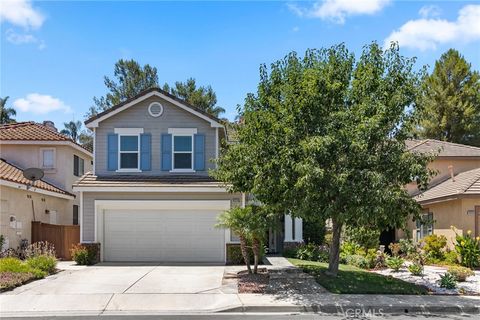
{"type": "Point", "coordinates": [101, 205]}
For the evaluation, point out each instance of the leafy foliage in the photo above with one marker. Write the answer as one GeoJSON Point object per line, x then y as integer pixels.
{"type": "Point", "coordinates": [83, 255]}
{"type": "Point", "coordinates": [6, 113]}
{"type": "Point", "coordinates": [468, 249]}
{"type": "Point", "coordinates": [314, 232]}
{"type": "Point", "coordinates": [451, 101]}
{"type": "Point", "coordinates": [434, 246]}
{"type": "Point", "coordinates": [366, 237]}
{"type": "Point", "coordinates": [395, 263]}
{"type": "Point", "coordinates": [448, 281]}
{"type": "Point", "coordinates": [324, 137]}
{"type": "Point", "coordinates": [460, 273]}
{"type": "Point", "coordinates": [45, 263]}
{"type": "Point", "coordinates": [415, 269]}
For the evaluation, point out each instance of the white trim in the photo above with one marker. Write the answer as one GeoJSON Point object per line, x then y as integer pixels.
{"type": "Point", "coordinates": [21, 186]}
{"type": "Point", "coordinates": [155, 115]}
{"type": "Point", "coordinates": [48, 143]}
{"type": "Point", "coordinates": [182, 131]}
{"type": "Point", "coordinates": [128, 170]}
{"type": "Point", "coordinates": [128, 131]}
{"type": "Point", "coordinates": [94, 141]}
{"type": "Point", "coordinates": [80, 218]}
{"type": "Point", "coordinates": [183, 170]}
{"type": "Point", "coordinates": [298, 225]}
{"type": "Point", "coordinates": [216, 147]}
{"type": "Point", "coordinates": [96, 122]}
{"type": "Point", "coordinates": [288, 228]}
{"type": "Point", "coordinates": [192, 152]}
{"type": "Point", "coordinates": [146, 189]}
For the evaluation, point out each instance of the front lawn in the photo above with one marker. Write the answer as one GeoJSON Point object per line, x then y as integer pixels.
{"type": "Point", "coordinates": [351, 279]}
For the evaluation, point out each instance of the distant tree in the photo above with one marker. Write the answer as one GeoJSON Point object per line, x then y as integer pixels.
{"type": "Point", "coordinates": [451, 101]}
{"type": "Point", "coordinates": [130, 78]}
{"type": "Point", "coordinates": [201, 97]}
{"type": "Point", "coordinates": [72, 129]}
{"type": "Point", "coordinates": [324, 138]}
{"type": "Point", "coordinates": [6, 113]}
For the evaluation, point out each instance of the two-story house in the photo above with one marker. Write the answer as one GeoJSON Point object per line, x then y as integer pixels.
{"type": "Point", "coordinates": [32, 145]}
{"type": "Point", "coordinates": [150, 197]}
{"type": "Point", "coordinates": [453, 195]}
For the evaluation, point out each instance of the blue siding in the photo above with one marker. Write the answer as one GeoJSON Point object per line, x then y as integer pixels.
{"type": "Point", "coordinates": [199, 149]}
{"type": "Point", "coordinates": [112, 146]}
{"type": "Point", "coordinates": [166, 152]}
{"type": "Point", "coordinates": [146, 152]}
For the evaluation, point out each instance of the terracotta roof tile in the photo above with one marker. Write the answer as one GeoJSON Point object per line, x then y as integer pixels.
{"type": "Point", "coordinates": [11, 173]}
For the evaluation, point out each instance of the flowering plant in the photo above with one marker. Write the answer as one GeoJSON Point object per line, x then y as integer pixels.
{"type": "Point", "coordinates": [468, 249]}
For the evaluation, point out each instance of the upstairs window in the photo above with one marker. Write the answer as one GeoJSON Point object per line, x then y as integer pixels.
{"type": "Point", "coordinates": [183, 152]}
{"type": "Point", "coordinates": [47, 158]}
{"type": "Point", "coordinates": [78, 166]}
{"type": "Point", "coordinates": [129, 151]}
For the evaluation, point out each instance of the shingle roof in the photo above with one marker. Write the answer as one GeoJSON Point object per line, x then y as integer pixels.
{"type": "Point", "coordinates": [12, 173]}
{"type": "Point", "coordinates": [90, 180]}
{"type": "Point", "coordinates": [443, 148]}
{"type": "Point", "coordinates": [32, 131]}
{"type": "Point", "coordinates": [464, 184]}
{"type": "Point", "coordinates": [101, 114]}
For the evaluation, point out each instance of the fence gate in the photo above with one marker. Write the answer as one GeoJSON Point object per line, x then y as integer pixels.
{"type": "Point", "coordinates": [61, 236]}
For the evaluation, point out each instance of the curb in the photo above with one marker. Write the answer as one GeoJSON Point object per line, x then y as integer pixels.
{"type": "Point", "coordinates": [358, 309]}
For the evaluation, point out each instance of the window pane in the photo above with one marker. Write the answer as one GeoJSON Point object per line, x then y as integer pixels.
{"type": "Point", "coordinates": [182, 161]}
{"type": "Point", "coordinates": [182, 143]}
{"type": "Point", "coordinates": [128, 143]}
{"type": "Point", "coordinates": [75, 214]}
{"type": "Point", "coordinates": [128, 160]}
{"type": "Point", "coordinates": [82, 167]}
{"type": "Point", "coordinates": [48, 158]}
{"type": "Point", "coordinates": [75, 165]}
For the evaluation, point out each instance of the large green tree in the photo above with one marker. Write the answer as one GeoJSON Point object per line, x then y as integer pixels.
{"type": "Point", "coordinates": [201, 97]}
{"type": "Point", "coordinates": [324, 138]}
{"type": "Point", "coordinates": [451, 101]}
{"type": "Point", "coordinates": [130, 78]}
{"type": "Point", "coordinates": [6, 113]}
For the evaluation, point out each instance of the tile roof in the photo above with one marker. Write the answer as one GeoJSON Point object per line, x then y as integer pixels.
{"type": "Point", "coordinates": [12, 173]}
{"type": "Point", "coordinates": [464, 184]}
{"type": "Point", "coordinates": [90, 180]}
{"type": "Point", "coordinates": [32, 131]}
{"type": "Point", "coordinates": [443, 148]}
{"type": "Point", "coordinates": [144, 92]}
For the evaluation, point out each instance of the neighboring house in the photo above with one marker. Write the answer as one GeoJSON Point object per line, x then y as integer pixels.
{"type": "Point", "coordinates": [28, 144]}
{"type": "Point", "coordinates": [150, 197]}
{"type": "Point", "coordinates": [453, 196]}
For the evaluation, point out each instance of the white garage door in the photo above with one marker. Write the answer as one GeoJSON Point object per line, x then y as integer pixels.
{"type": "Point", "coordinates": [163, 235]}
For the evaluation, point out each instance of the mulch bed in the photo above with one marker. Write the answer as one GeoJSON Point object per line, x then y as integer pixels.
{"type": "Point", "coordinates": [253, 283]}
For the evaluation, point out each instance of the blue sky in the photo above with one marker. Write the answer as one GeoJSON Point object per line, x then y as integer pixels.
{"type": "Point", "coordinates": [54, 54]}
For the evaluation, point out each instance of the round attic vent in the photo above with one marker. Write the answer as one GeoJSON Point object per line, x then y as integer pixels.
{"type": "Point", "coordinates": [155, 109]}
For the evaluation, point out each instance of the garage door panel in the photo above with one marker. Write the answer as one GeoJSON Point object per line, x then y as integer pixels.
{"type": "Point", "coordinates": [163, 235]}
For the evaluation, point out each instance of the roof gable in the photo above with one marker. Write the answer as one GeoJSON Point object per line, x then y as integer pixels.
{"type": "Point", "coordinates": [444, 148]}
{"type": "Point", "coordinates": [94, 121]}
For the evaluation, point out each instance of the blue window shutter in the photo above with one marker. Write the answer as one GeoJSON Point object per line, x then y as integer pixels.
{"type": "Point", "coordinates": [166, 152]}
{"type": "Point", "coordinates": [112, 146]}
{"type": "Point", "coordinates": [145, 152]}
{"type": "Point", "coordinates": [199, 148]}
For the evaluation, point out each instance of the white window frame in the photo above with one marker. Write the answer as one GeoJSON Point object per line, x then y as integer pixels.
{"type": "Point", "coordinates": [54, 150]}
{"type": "Point", "coordinates": [424, 230]}
{"type": "Point", "coordinates": [128, 132]}
{"type": "Point", "coordinates": [182, 132]}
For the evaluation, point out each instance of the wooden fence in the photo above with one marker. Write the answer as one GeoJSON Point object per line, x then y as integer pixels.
{"type": "Point", "coordinates": [61, 236]}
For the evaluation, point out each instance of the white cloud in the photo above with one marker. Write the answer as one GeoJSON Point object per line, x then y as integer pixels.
{"type": "Point", "coordinates": [40, 104]}
{"type": "Point", "coordinates": [24, 38]}
{"type": "Point", "coordinates": [296, 29]}
{"type": "Point", "coordinates": [429, 11]}
{"type": "Point", "coordinates": [426, 34]}
{"type": "Point", "coordinates": [21, 13]}
{"type": "Point", "coordinates": [338, 10]}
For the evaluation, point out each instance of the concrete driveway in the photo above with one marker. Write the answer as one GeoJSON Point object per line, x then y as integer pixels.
{"type": "Point", "coordinates": [110, 288]}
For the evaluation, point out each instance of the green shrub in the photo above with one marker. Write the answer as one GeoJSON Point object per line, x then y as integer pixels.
{"type": "Point", "coordinates": [415, 269]}
{"type": "Point", "coordinates": [448, 281]}
{"type": "Point", "coordinates": [82, 256]}
{"type": "Point", "coordinates": [314, 232]}
{"type": "Point", "coordinates": [380, 260]}
{"type": "Point", "coordinates": [407, 247]}
{"type": "Point", "coordinates": [358, 261]}
{"type": "Point", "coordinates": [450, 257]}
{"type": "Point", "coordinates": [44, 263]}
{"type": "Point", "coordinates": [235, 257]}
{"type": "Point", "coordinates": [460, 273]}
{"type": "Point", "coordinates": [434, 246]}
{"type": "Point", "coordinates": [395, 263]}
{"type": "Point", "coordinates": [307, 252]}
{"type": "Point", "coordinates": [366, 238]}
{"type": "Point", "coordinates": [349, 248]}
{"type": "Point", "coordinates": [468, 249]}
{"type": "Point", "coordinates": [290, 252]}
{"type": "Point", "coordinates": [17, 266]}
{"type": "Point", "coordinates": [395, 248]}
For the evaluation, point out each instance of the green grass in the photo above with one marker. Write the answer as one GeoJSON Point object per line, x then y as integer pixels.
{"type": "Point", "coordinates": [351, 279]}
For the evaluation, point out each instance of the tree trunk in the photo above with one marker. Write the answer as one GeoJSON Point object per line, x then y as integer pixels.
{"type": "Point", "coordinates": [256, 253]}
{"type": "Point", "coordinates": [243, 248]}
{"type": "Point", "coordinates": [334, 258]}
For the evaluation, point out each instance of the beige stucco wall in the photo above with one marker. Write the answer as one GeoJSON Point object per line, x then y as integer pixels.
{"type": "Point", "coordinates": [447, 214]}
{"type": "Point", "coordinates": [15, 202]}
{"type": "Point", "coordinates": [28, 156]}
{"type": "Point", "coordinates": [441, 165]}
